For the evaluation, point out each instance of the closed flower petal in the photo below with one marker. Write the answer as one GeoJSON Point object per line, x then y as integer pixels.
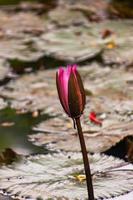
{"type": "Point", "coordinates": [70, 90]}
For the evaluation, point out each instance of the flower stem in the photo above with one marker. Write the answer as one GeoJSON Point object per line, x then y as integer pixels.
{"type": "Point", "coordinates": [86, 161]}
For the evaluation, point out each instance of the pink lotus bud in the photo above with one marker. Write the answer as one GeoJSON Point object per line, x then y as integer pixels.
{"type": "Point", "coordinates": [71, 91]}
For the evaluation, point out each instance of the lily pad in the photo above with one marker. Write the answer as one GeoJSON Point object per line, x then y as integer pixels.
{"type": "Point", "coordinates": [4, 70]}
{"type": "Point", "coordinates": [69, 17]}
{"type": "Point", "coordinates": [122, 43]}
{"type": "Point", "coordinates": [110, 99]}
{"type": "Point", "coordinates": [17, 35]}
{"type": "Point", "coordinates": [55, 176]}
{"type": "Point", "coordinates": [93, 10]}
{"type": "Point", "coordinates": [110, 93]}
{"type": "Point", "coordinates": [74, 44]}
{"type": "Point", "coordinates": [3, 103]}
{"type": "Point", "coordinates": [82, 43]}
{"type": "Point", "coordinates": [28, 37]}
{"type": "Point", "coordinates": [56, 136]}
{"type": "Point", "coordinates": [32, 92]}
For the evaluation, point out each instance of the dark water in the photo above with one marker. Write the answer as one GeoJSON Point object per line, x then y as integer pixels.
{"type": "Point", "coordinates": [15, 136]}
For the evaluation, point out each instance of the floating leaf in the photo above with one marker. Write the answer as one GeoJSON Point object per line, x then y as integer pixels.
{"type": "Point", "coordinates": [4, 70]}
{"type": "Point", "coordinates": [119, 47]}
{"type": "Point", "coordinates": [74, 44]}
{"type": "Point", "coordinates": [32, 92]}
{"type": "Point", "coordinates": [3, 104]}
{"type": "Point", "coordinates": [93, 10]}
{"type": "Point", "coordinates": [4, 197]}
{"type": "Point", "coordinates": [69, 17]}
{"type": "Point", "coordinates": [18, 32]}
{"type": "Point", "coordinates": [26, 38]}
{"type": "Point", "coordinates": [66, 139]}
{"type": "Point", "coordinates": [36, 91]}
{"type": "Point", "coordinates": [53, 176]}
{"type": "Point", "coordinates": [80, 43]}
{"type": "Point", "coordinates": [111, 100]}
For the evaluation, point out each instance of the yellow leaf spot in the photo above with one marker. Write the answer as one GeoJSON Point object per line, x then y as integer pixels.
{"type": "Point", "coordinates": [81, 178]}
{"type": "Point", "coordinates": [69, 125]}
{"type": "Point", "coordinates": [111, 45]}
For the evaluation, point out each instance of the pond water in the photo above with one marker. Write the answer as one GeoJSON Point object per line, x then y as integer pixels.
{"type": "Point", "coordinates": [14, 129]}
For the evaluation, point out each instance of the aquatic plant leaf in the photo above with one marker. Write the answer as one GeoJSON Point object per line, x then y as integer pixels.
{"type": "Point", "coordinates": [3, 104]}
{"type": "Point", "coordinates": [110, 100]}
{"type": "Point", "coordinates": [65, 138]}
{"type": "Point", "coordinates": [122, 41]}
{"type": "Point", "coordinates": [80, 43]}
{"type": "Point", "coordinates": [4, 69]}
{"type": "Point", "coordinates": [17, 35]}
{"type": "Point", "coordinates": [93, 10]}
{"type": "Point", "coordinates": [77, 40]}
{"type": "Point", "coordinates": [69, 17]}
{"type": "Point", "coordinates": [36, 91]}
{"type": "Point", "coordinates": [54, 176]}
{"type": "Point", "coordinates": [4, 197]}
{"type": "Point", "coordinates": [32, 92]}
{"type": "Point", "coordinates": [73, 44]}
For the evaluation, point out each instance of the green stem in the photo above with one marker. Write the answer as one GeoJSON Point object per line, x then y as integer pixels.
{"type": "Point", "coordinates": [86, 161]}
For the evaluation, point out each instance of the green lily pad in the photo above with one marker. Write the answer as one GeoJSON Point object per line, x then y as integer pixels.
{"type": "Point", "coordinates": [55, 177]}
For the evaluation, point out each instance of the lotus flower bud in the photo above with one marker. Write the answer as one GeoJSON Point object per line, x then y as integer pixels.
{"type": "Point", "coordinates": [71, 91]}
